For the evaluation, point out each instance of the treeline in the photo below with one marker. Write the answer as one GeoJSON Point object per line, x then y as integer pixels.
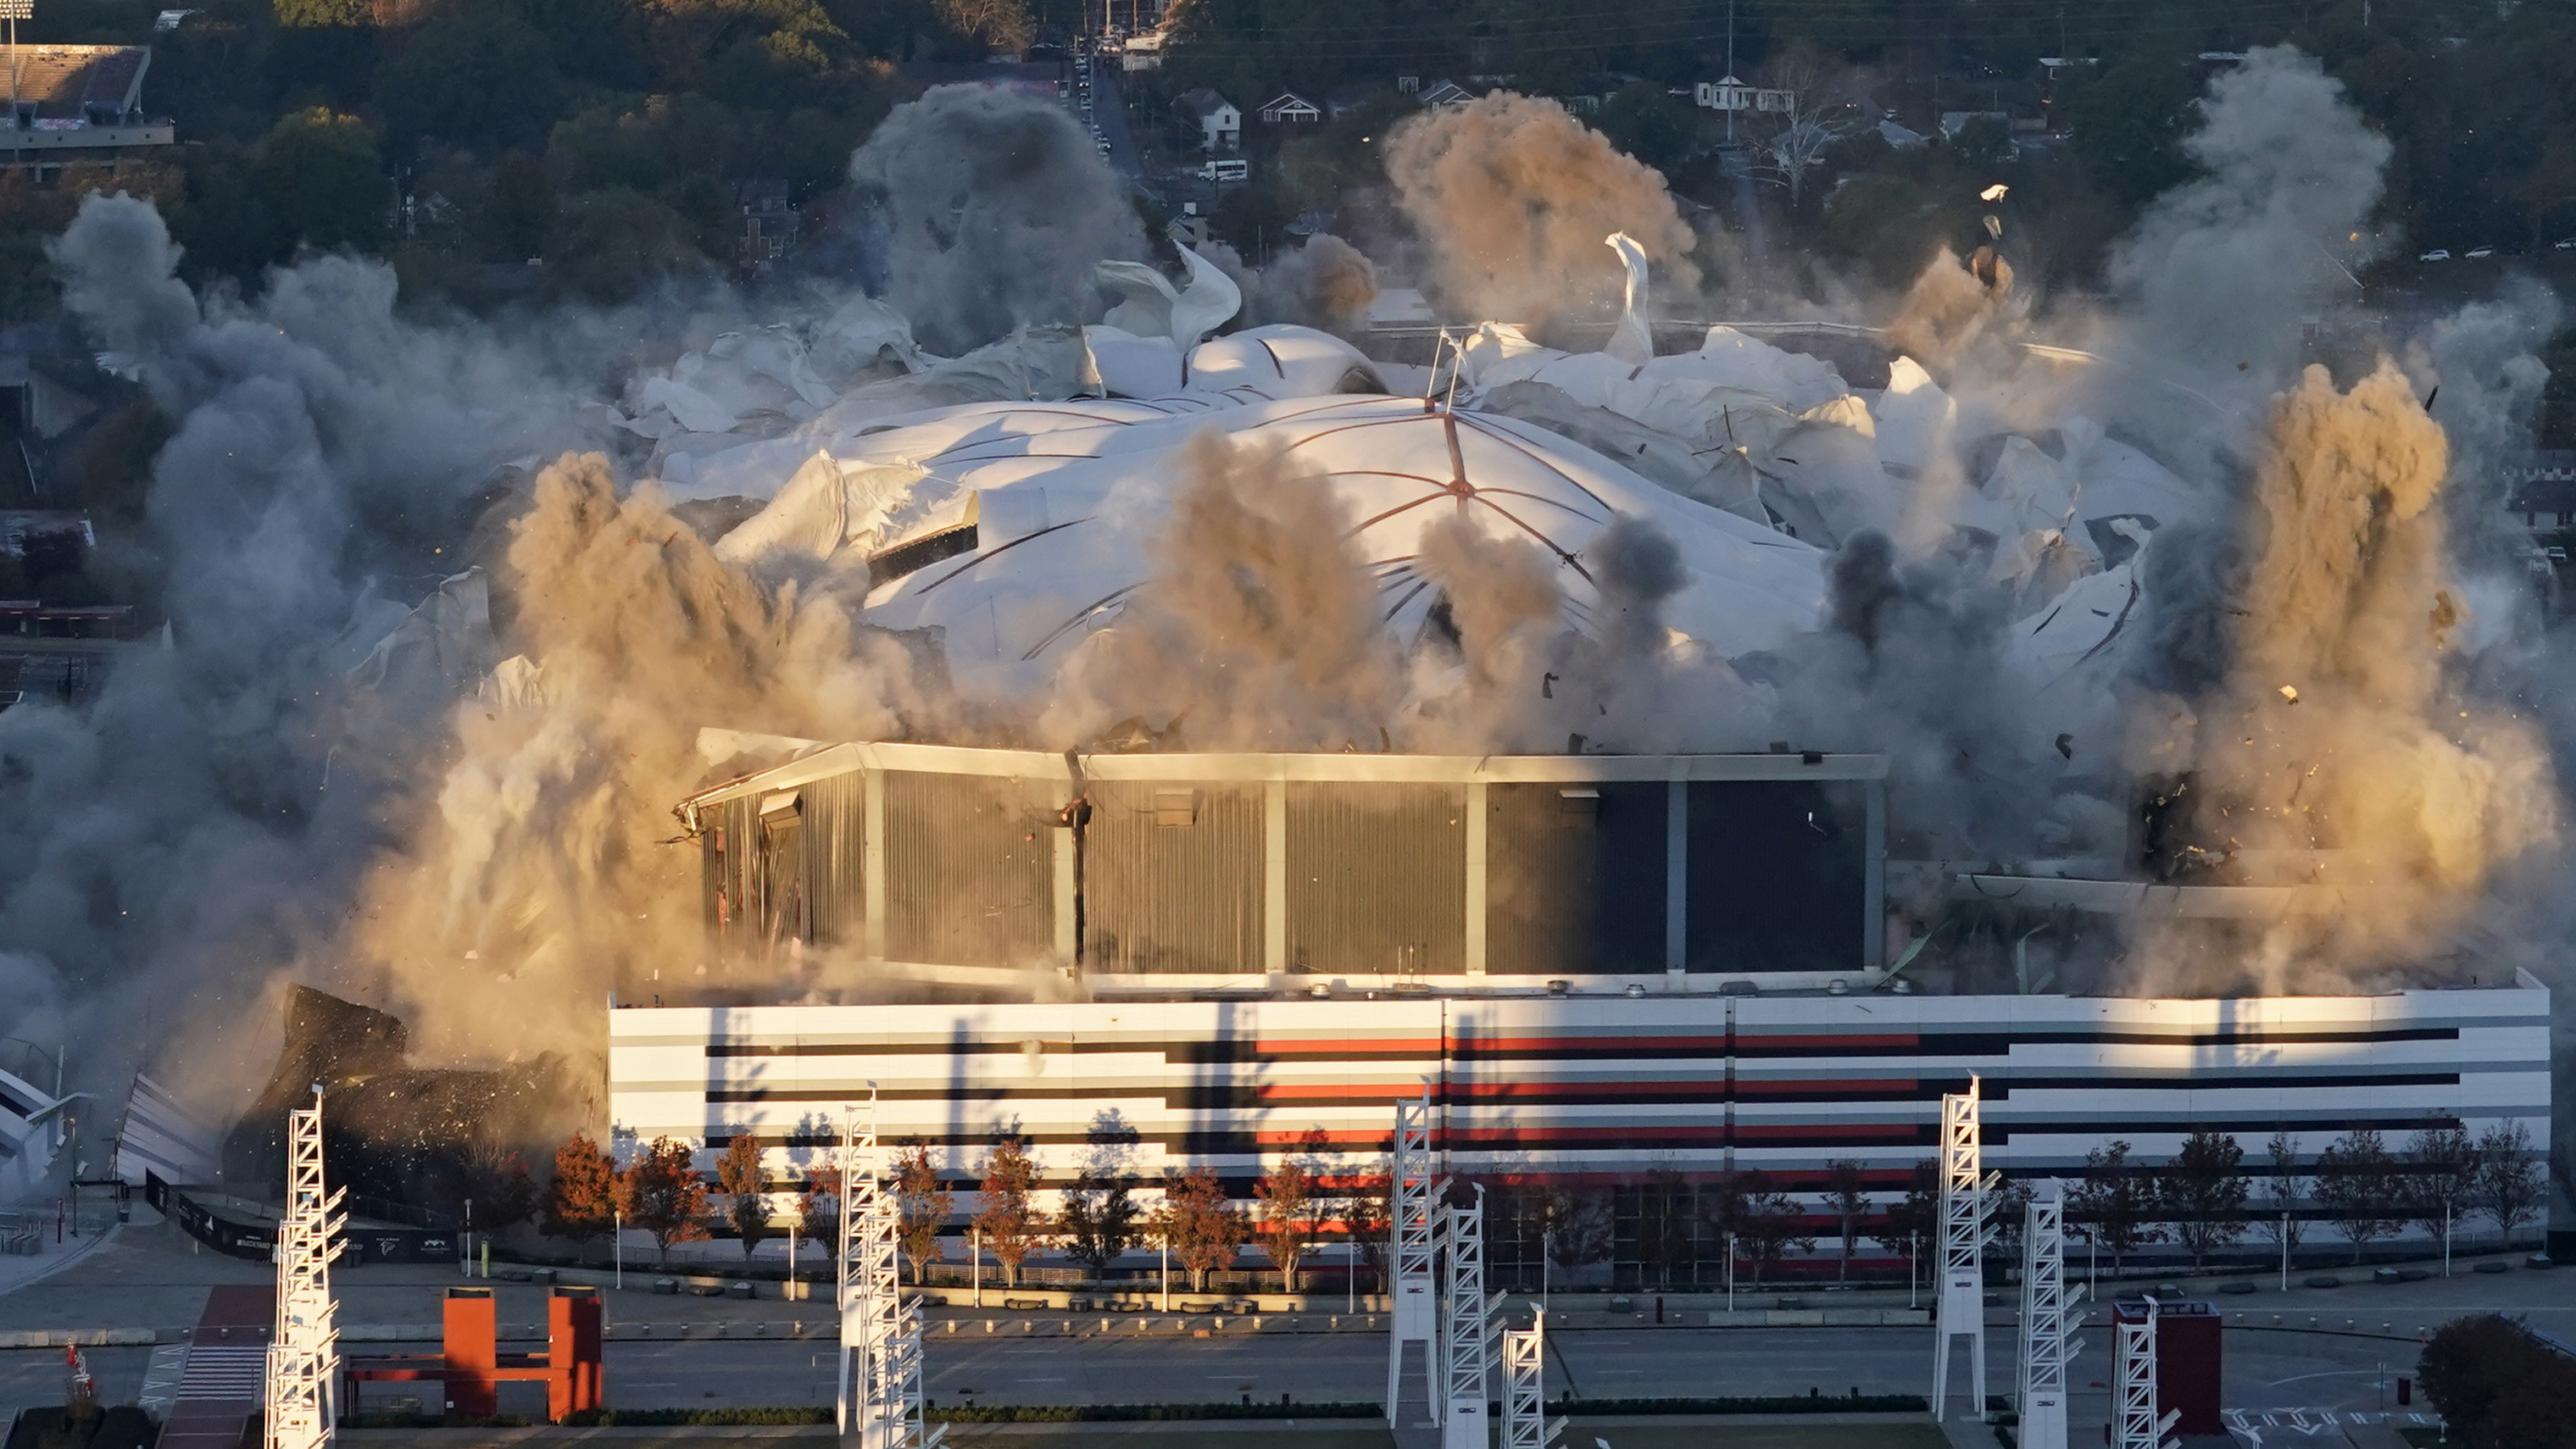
{"type": "Point", "coordinates": [608, 139]}
{"type": "Point", "coordinates": [2472, 95]}
{"type": "Point", "coordinates": [1677, 1230]}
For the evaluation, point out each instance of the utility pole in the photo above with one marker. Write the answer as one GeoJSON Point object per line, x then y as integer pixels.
{"type": "Point", "coordinates": [15, 11]}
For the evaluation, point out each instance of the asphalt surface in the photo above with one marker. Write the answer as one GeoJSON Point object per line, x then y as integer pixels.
{"type": "Point", "coordinates": [148, 1277]}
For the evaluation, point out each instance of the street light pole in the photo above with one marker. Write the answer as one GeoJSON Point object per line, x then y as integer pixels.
{"type": "Point", "coordinates": [16, 10]}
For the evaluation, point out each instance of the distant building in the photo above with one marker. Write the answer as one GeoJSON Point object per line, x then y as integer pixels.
{"type": "Point", "coordinates": [2540, 489]}
{"type": "Point", "coordinates": [768, 222]}
{"type": "Point", "coordinates": [1953, 122]}
{"type": "Point", "coordinates": [1220, 124]}
{"type": "Point", "coordinates": [79, 103]}
{"type": "Point", "coordinates": [1142, 52]}
{"type": "Point", "coordinates": [1731, 94]}
{"type": "Point", "coordinates": [1290, 109]}
{"type": "Point", "coordinates": [1444, 93]}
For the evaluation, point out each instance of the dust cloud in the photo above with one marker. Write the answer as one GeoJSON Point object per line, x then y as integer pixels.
{"type": "Point", "coordinates": [996, 208]}
{"type": "Point", "coordinates": [2335, 755]}
{"type": "Point", "coordinates": [1256, 630]}
{"type": "Point", "coordinates": [1512, 196]}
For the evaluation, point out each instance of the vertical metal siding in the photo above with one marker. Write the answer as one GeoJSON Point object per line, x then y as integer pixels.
{"type": "Point", "coordinates": [835, 850]}
{"type": "Point", "coordinates": [970, 869]}
{"type": "Point", "coordinates": [1172, 897]}
{"type": "Point", "coordinates": [1377, 878]}
{"type": "Point", "coordinates": [1573, 899]}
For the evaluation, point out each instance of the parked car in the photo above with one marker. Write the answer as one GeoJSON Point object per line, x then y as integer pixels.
{"type": "Point", "coordinates": [2437, 254]}
{"type": "Point", "coordinates": [2569, 245]}
{"type": "Point", "coordinates": [2479, 254]}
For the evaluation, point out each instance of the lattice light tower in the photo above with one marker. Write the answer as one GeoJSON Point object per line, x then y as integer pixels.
{"type": "Point", "coordinates": [1962, 1311]}
{"type": "Point", "coordinates": [2045, 1347]}
{"type": "Point", "coordinates": [304, 1354]}
{"type": "Point", "coordinates": [1466, 1327]}
{"type": "Point", "coordinates": [877, 1388]}
{"type": "Point", "coordinates": [1414, 1227]}
{"type": "Point", "coordinates": [2133, 1381]}
{"type": "Point", "coordinates": [1525, 1421]}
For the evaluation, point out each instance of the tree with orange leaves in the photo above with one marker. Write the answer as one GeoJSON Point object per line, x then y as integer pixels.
{"type": "Point", "coordinates": [663, 1194]}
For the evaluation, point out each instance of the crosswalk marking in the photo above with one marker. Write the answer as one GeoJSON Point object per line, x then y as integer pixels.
{"type": "Point", "coordinates": [225, 1371]}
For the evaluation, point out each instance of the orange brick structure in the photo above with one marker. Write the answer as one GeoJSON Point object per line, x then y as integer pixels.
{"type": "Point", "coordinates": [471, 1366]}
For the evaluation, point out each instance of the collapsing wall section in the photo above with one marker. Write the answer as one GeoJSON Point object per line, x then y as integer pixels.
{"type": "Point", "coordinates": [1363, 867]}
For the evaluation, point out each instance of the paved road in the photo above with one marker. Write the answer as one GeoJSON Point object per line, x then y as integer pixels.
{"type": "Point", "coordinates": [147, 1279]}
{"type": "Point", "coordinates": [2266, 1370]}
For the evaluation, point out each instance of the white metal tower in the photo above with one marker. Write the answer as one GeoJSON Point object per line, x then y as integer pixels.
{"type": "Point", "coordinates": [1467, 1328]}
{"type": "Point", "coordinates": [1962, 1311]}
{"type": "Point", "coordinates": [1525, 1421]}
{"type": "Point", "coordinates": [878, 1387]}
{"type": "Point", "coordinates": [2133, 1381]}
{"type": "Point", "coordinates": [1412, 1224]}
{"type": "Point", "coordinates": [304, 1354]}
{"type": "Point", "coordinates": [2045, 1347]}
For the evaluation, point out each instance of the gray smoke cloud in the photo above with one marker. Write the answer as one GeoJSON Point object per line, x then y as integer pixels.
{"type": "Point", "coordinates": [996, 207]}
{"type": "Point", "coordinates": [2219, 270]}
{"type": "Point", "coordinates": [1326, 283]}
{"type": "Point", "coordinates": [192, 830]}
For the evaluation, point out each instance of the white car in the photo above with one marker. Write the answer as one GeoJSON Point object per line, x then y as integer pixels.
{"type": "Point", "coordinates": [2480, 253]}
{"type": "Point", "coordinates": [2569, 245]}
{"type": "Point", "coordinates": [2437, 254]}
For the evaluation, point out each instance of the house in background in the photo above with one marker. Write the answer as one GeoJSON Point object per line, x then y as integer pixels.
{"type": "Point", "coordinates": [1220, 124]}
{"type": "Point", "coordinates": [1291, 110]}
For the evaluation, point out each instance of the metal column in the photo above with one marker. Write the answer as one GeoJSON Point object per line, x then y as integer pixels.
{"type": "Point", "coordinates": [1466, 1327]}
{"type": "Point", "coordinates": [1676, 876]}
{"type": "Point", "coordinates": [2045, 1348]}
{"type": "Point", "coordinates": [1479, 816]}
{"type": "Point", "coordinates": [1525, 1422]}
{"type": "Point", "coordinates": [304, 1355]}
{"type": "Point", "coordinates": [1962, 1312]}
{"type": "Point", "coordinates": [1410, 1193]}
{"type": "Point", "coordinates": [877, 1389]}
{"type": "Point", "coordinates": [2133, 1381]}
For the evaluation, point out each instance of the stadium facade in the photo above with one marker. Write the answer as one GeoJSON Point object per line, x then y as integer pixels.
{"type": "Point", "coordinates": [1601, 968]}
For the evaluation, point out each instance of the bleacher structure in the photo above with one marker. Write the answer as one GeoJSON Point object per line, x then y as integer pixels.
{"type": "Point", "coordinates": [877, 1386]}
{"type": "Point", "coordinates": [304, 1354]}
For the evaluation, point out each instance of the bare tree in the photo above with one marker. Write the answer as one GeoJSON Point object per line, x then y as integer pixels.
{"type": "Point", "coordinates": [1805, 137]}
{"type": "Point", "coordinates": [1847, 1193]}
{"type": "Point", "coordinates": [2510, 1185]}
{"type": "Point", "coordinates": [2357, 1184]}
{"type": "Point", "coordinates": [2280, 1194]}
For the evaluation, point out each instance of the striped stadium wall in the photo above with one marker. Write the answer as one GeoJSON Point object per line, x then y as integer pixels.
{"type": "Point", "coordinates": [1597, 1089]}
